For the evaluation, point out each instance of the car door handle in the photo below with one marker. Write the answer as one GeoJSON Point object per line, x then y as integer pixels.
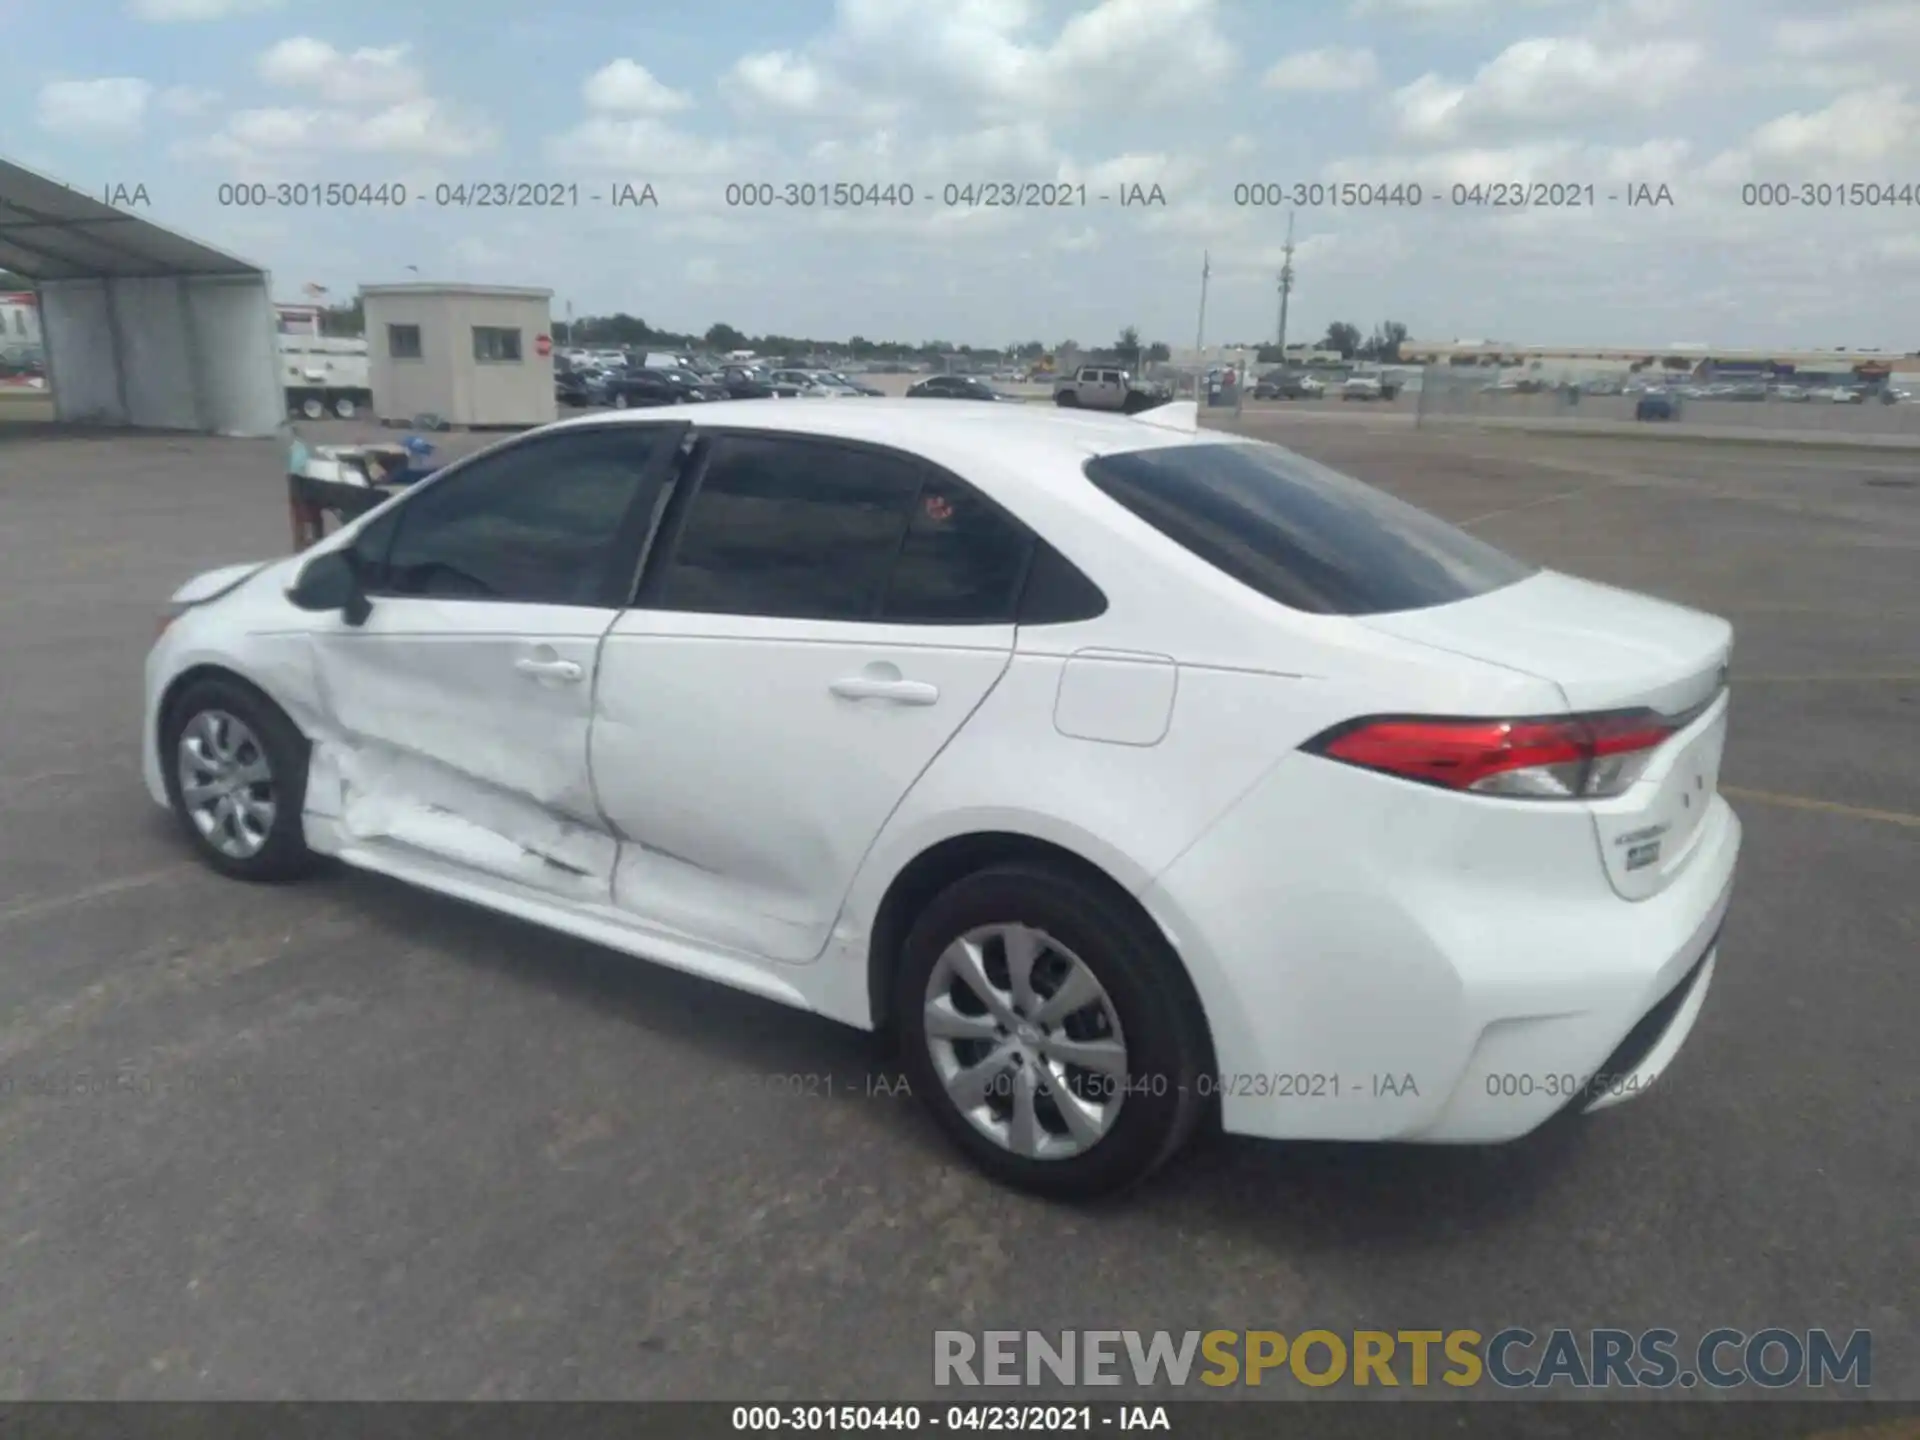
{"type": "Point", "coordinates": [550, 669]}
{"type": "Point", "coordinates": [901, 692]}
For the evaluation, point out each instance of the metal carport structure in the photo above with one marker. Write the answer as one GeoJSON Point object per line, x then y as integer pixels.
{"type": "Point", "coordinates": [141, 326]}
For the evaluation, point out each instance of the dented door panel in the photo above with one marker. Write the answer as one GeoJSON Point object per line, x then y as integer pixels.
{"type": "Point", "coordinates": [459, 729]}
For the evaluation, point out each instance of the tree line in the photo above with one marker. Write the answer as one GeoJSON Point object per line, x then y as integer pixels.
{"type": "Point", "coordinates": [629, 332]}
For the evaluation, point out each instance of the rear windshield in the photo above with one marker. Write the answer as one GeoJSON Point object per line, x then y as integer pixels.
{"type": "Point", "coordinates": [1299, 533]}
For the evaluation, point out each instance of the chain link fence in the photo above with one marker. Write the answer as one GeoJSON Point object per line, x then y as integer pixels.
{"type": "Point", "coordinates": [1547, 396]}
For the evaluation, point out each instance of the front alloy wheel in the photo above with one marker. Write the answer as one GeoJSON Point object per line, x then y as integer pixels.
{"type": "Point", "coordinates": [226, 784]}
{"type": "Point", "coordinates": [236, 775]}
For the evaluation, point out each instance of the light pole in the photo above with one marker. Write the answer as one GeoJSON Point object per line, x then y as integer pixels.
{"type": "Point", "coordinates": [1200, 332]}
{"type": "Point", "coordinates": [1286, 286]}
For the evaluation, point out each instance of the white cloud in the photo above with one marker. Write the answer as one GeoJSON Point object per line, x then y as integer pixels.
{"type": "Point", "coordinates": [1324, 71]}
{"type": "Point", "coordinates": [645, 145]}
{"type": "Point", "coordinates": [176, 11]}
{"type": "Point", "coordinates": [110, 109]}
{"type": "Point", "coordinates": [1864, 127]}
{"type": "Point", "coordinates": [420, 127]}
{"type": "Point", "coordinates": [367, 76]}
{"type": "Point", "coordinates": [371, 101]}
{"type": "Point", "coordinates": [627, 87]}
{"type": "Point", "coordinates": [1841, 30]}
{"type": "Point", "coordinates": [1547, 81]}
{"type": "Point", "coordinates": [187, 100]}
{"type": "Point", "coordinates": [1444, 9]}
{"type": "Point", "coordinates": [780, 81]}
{"type": "Point", "coordinates": [883, 57]}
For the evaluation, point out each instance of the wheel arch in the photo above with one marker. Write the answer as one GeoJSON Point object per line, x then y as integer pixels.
{"type": "Point", "coordinates": [954, 858]}
{"type": "Point", "coordinates": [206, 670]}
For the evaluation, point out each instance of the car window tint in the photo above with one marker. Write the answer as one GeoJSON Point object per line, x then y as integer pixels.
{"type": "Point", "coordinates": [1300, 533]}
{"type": "Point", "coordinates": [962, 562]}
{"type": "Point", "coordinates": [535, 523]}
{"type": "Point", "coordinates": [788, 528]}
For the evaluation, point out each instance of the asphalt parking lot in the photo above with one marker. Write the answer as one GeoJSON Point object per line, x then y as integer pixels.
{"type": "Point", "coordinates": [347, 1140]}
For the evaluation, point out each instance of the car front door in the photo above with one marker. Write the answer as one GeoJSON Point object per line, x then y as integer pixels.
{"type": "Point", "coordinates": [457, 714]}
{"type": "Point", "coordinates": [819, 621]}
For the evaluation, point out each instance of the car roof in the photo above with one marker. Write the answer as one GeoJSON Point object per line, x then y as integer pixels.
{"type": "Point", "coordinates": [1012, 445]}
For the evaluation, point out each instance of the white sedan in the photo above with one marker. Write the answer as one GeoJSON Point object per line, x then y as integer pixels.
{"type": "Point", "coordinates": [1134, 775]}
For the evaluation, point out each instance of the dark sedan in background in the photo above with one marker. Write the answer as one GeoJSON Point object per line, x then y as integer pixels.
{"type": "Point", "coordinates": [638, 388]}
{"type": "Point", "coordinates": [1657, 405]}
{"type": "Point", "coordinates": [956, 387]}
{"type": "Point", "coordinates": [743, 382]}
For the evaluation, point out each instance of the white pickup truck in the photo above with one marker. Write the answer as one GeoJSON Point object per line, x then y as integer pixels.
{"type": "Point", "coordinates": [1101, 387]}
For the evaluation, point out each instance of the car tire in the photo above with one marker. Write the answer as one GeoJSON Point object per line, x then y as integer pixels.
{"type": "Point", "coordinates": [344, 408]}
{"type": "Point", "coordinates": [1143, 1005]}
{"type": "Point", "coordinates": [313, 408]}
{"type": "Point", "coordinates": [619, 399]}
{"type": "Point", "coordinates": [1067, 400]}
{"type": "Point", "coordinates": [223, 729]}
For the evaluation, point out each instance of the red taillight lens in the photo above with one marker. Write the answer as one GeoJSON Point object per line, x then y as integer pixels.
{"type": "Point", "coordinates": [1570, 758]}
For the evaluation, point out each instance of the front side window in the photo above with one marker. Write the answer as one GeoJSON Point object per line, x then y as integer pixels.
{"type": "Point", "coordinates": [536, 523]}
{"type": "Point", "coordinates": [495, 344]}
{"type": "Point", "coordinates": [403, 342]}
{"type": "Point", "coordinates": [1300, 533]}
{"type": "Point", "coordinates": [788, 528]}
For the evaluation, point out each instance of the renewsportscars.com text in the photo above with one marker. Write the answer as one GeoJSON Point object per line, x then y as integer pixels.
{"type": "Point", "coordinates": [1513, 1358]}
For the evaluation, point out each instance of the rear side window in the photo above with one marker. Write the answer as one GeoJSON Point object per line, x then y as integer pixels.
{"type": "Point", "coordinates": [1301, 534]}
{"type": "Point", "coordinates": [795, 529]}
{"type": "Point", "coordinates": [962, 562]}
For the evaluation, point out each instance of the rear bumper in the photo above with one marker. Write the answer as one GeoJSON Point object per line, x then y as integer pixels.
{"type": "Point", "coordinates": [1437, 978]}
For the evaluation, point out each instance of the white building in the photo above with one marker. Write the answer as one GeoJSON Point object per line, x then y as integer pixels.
{"type": "Point", "coordinates": [476, 355]}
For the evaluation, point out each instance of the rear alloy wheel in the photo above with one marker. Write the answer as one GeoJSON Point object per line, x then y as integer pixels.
{"type": "Point", "coordinates": [1050, 1033]}
{"type": "Point", "coordinates": [312, 408]}
{"type": "Point", "coordinates": [1067, 400]}
{"type": "Point", "coordinates": [345, 408]}
{"type": "Point", "coordinates": [619, 399]}
{"type": "Point", "coordinates": [236, 775]}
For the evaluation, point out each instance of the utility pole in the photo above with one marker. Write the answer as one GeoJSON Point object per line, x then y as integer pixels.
{"type": "Point", "coordinates": [1286, 286]}
{"type": "Point", "coordinates": [1200, 334]}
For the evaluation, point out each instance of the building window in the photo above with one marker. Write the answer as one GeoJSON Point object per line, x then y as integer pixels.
{"type": "Point", "coordinates": [403, 342]}
{"type": "Point", "coordinates": [496, 343]}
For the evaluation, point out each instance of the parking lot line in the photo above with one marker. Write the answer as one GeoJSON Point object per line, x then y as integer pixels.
{"type": "Point", "coordinates": [1828, 807]}
{"type": "Point", "coordinates": [27, 909]}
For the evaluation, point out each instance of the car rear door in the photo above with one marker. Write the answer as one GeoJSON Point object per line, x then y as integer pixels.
{"type": "Point", "coordinates": [456, 716]}
{"type": "Point", "coordinates": [820, 619]}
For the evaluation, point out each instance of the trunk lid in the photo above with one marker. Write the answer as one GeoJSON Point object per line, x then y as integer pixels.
{"type": "Point", "coordinates": [1609, 649]}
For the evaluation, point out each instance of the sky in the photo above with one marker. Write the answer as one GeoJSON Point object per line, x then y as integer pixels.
{"type": "Point", "coordinates": [1214, 102]}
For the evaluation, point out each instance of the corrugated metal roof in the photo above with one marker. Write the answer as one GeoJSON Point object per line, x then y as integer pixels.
{"type": "Point", "coordinates": [50, 231]}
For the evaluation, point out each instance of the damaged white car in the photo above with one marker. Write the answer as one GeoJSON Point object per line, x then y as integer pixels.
{"type": "Point", "coordinates": [1134, 775]}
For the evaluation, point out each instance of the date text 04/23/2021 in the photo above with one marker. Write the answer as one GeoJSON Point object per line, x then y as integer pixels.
{"type": "Point", "coordinates": [989, 1418]}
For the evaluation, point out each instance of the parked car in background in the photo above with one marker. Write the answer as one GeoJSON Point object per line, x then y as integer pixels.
{"type": "Point", "coordinates": [1106, 387]}
{"type": "Point", "coordinates": [1657, 405]}
{"type": "Point", "coordinates": [1283, 385]}
{"type": "Point", "coordinates": [744, 382]}
{"type": "Point", "coordinates": [955, 387]}
{"type": "Point", "coordinates": [570, 388]}
{"type": "Point", "coordinates": [788, 382]}
{"type": "Point", "coordinates": [858, 387]}
{"type": "Point", "coordinates": [1846, 395]}
{"type": "Point", "coordinates": [1363, 387]}
{"type": "Point", "coordinates": [640, 387]}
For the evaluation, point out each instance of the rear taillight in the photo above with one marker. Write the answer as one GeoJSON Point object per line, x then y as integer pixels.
{"type": "Point", "coordinates": [1577, 757]}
